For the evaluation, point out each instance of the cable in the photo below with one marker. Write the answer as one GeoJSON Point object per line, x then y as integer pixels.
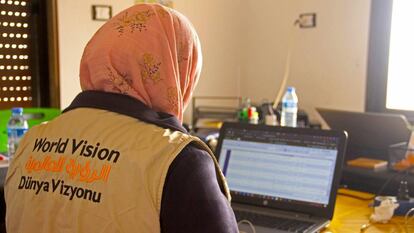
{"type": "Point", "coordinates": [291, 43]}
{"type": "Point", "coordinates": [248, 223]}
{"type": "Point", "coordinates": [386, 183]}
{"type": "Point", "coordinates": [407, 217]}
{"type": "Point", "coordinates": [364, 227]}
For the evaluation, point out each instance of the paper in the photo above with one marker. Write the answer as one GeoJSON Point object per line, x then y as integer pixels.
{"type": "Point", "coordinates": [384, 212]}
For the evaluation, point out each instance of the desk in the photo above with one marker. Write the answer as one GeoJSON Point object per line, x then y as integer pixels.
{"type": "Point", "coordinates": [351, 213]}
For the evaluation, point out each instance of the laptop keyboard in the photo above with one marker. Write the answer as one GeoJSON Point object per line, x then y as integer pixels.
{"type": "Point", "coordinates": [286, 224]}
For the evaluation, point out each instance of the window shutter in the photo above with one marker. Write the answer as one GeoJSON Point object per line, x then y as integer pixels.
{"type": "Point", "coordinates": [15, 46]}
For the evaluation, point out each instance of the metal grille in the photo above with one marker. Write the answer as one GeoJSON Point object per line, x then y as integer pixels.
{"type": "Point", "coordinates": [15, 66]}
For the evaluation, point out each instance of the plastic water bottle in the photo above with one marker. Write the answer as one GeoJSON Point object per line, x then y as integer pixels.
{"type": "Point", "coordinates": [289, 108]}
{"type": "Point", "coordinates": [16, 128]}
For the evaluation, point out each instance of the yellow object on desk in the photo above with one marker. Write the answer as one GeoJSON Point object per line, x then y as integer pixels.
{"type": "Point", "coordinates": [209, 124]}
{"type": "Point", "coordinates": [352, 212]}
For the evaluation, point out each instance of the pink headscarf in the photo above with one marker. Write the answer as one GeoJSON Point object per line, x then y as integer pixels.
{"type": "Point", "coordinates": [147, 51]}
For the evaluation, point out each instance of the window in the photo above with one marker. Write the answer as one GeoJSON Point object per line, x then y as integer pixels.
{"type": "Point", "coordinates": [15, 67]}
{"type": "Point", "coordinates": [390, 71]}
{"type": "Point", "coordinates": [28, 68]}
{"type": "Point", "coordinates": [400, 79]}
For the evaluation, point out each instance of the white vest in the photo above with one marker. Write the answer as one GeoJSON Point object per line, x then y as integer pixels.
{"type": "Point", "coordinates": [92, 171]}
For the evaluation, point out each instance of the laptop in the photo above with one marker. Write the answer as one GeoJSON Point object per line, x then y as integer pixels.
{"type": "Point", "coordinates": [281, 179]}
{"type": "Point", "coordinates": [370, 134]}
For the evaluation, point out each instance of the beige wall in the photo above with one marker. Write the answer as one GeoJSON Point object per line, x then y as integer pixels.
{"type": "Point", "coordinates": [218, 25]}
{"type": "Point", "coordinates": [245, 43]}
{"type": "Point", "coordinates": [328, 65]}
{"type": "Point", "coordinates": [75, 27]}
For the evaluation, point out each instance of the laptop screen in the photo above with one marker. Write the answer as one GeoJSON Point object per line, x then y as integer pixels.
{"type": "Point", "coordinates": [295, 166]}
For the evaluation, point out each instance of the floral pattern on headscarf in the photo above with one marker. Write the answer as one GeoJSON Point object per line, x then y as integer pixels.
{"type": "Point", "coordinates": [121, 83]}
{"type": "Point", "coordinates": [149, 52]}
{"type": "Point", "coordinates": [150, 70]}
{"type": "Point", "coordinates": [137, 21]}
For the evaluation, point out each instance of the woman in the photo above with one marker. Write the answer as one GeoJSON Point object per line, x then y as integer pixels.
{"type": "Point", "coordinates": [118, 159]}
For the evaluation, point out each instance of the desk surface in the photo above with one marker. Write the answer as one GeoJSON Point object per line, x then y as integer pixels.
{"type": "Point", "coordinates": [351, 213]}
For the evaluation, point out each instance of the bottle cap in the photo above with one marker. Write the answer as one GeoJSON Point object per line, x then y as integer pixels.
{"type": "Point", "coordinates": [250, 112]}
{"type": "Point", "coordinates": [254, 119]}
{"type": "Point", "coordinates": [291, 89]}
{"type": "Point", "coordinates": [17, 110]}
{"type": "Point", "coordinates": [243, 115]}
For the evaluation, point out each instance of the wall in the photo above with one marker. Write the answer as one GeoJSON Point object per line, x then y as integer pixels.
{"type": "Point", "coordinates": [218, 25]}
{"type": "Point", "coordinates": [245, 43]}
{"type": "Point", "coordinates": [328, 65]}
{"type": "Point", "coordinates": [76, 27]}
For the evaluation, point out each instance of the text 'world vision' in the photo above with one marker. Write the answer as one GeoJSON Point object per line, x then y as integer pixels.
{"type": "Point", "coordinates": [76, 147]}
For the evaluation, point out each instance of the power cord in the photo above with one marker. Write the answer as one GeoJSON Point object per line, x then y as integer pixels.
{"type": "Point", "coordinates": [407, 218]}
{"type": "Point", "coordinates": [248, 223]}
{"type": "Point", "coordinates": [386, 183]}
